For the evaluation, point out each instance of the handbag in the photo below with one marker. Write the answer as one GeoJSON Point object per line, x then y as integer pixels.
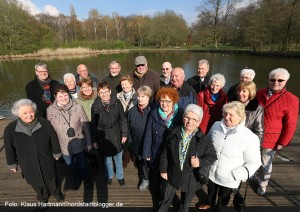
{"type": "Point", "coordinates": [239, 201]}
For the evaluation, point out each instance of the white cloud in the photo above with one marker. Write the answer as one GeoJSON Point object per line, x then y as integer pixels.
{"type": "Point", "coordinates": [50, 10]}
{"type": "Point", "coordinates": [28, 5]}
{"type": "Point", "coordinates": [34, 10]}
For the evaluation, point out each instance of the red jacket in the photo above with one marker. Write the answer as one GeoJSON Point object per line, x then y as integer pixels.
{"type": "Point", "coordinates": [280, 117]}
{"type": "Point", "coordinates": [212, 111]}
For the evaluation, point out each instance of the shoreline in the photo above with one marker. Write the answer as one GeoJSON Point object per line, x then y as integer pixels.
{"type": "Point", "coordinates": [77, 52]}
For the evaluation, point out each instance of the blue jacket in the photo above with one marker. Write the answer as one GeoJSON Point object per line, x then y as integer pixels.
{"type": "Point", "coordinates": [187, 95]}
{"type": "Point", "coordinates": [156, 130]}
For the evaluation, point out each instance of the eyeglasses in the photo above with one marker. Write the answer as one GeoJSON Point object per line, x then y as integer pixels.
{"type": "Point", "coordinates": [140, 65]}
{"type": "Point", "coordinates": [165, 69]}
{"type": "Point", "coordinates": [278, 80]}
{"type": "Point", "coordinates": [42, 72]}
{"type": "Point", "coordinates": [246, 78]}
{"type": "Point", "coordinates": [165, 101]}
{"type": "Point", "coordinates": [190, 119]}
{"type": "Point", "coordinates": [103, 92]}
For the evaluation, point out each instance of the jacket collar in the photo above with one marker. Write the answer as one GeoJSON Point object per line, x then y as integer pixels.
{"type": "Point", "coordinates": [22, 129]}
{"type": "Point", "coordinates": [235, 129]}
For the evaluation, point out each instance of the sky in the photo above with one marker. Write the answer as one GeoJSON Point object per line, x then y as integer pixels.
{"type": "Point", "coordinates": [187, 8]}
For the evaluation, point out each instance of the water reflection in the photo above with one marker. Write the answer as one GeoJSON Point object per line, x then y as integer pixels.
{"type": "Point", "coordinates": [14, 75]}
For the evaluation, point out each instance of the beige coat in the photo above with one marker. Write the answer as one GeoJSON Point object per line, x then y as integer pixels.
{"type": "Point", "coordinates": [75, 114]}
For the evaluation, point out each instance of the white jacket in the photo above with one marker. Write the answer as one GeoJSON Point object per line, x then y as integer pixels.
{"type": "Point", "coordinates": [235, 151]}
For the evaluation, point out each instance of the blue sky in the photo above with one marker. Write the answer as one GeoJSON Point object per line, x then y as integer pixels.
{"type": "Point", "coordinates": [123, 7]}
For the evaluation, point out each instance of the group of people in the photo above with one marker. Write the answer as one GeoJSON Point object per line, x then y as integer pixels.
{"type": "Point", "coordinates": [180, 134]}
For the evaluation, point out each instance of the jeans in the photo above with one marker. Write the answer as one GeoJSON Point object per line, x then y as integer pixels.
{"type": "Point", "coordinates": [77, 163]}
{"type": "Point", "coordinates": [109, 166]}
{"type": "Point", "coordinates": [264, 172]}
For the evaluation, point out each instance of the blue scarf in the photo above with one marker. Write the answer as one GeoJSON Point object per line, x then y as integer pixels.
{"type": "Point", "coordinates": [168, 118]}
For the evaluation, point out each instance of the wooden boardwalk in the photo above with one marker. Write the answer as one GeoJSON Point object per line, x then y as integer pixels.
{"type": "Point", "coordinates": [283, 193]}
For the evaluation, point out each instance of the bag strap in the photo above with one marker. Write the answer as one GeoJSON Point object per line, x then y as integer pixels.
{"type": "Point", "coordinates": [245, 195]}
{"type": "Point", "coordinates": [68, 122]}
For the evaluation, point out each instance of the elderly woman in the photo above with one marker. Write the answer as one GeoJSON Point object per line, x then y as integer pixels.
{"type": "Point", "coordinates": [163, 117]}
{"type": "Point", "coordinates": [70, 82]}
{"type": "Point", "coordinates": [71, 124]}
{"type": "Point", "coordinates": [127, 96]}
{"type": "Point", "coordinates": [212, 100]}
{"type": "Point", "coordinates": [245, 93]}
{"type": "Point", "coordinates": [31, 143]}
{"type": "Point", "coordinates": [238, 152]}
{"type": "Point", "coordinates": [137, 118]}
{"type": "Point", "coordinates": [246, 75]}
{"type": "Point", "coordinates": [185, 152]}
{"type": "Point", "coordinates": [281, 110]}
{"type": "Point", "coordinates": [109, 130]}
{"type": "Point", "coordinates": [86, 95]}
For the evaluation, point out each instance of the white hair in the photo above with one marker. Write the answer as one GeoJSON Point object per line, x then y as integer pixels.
{"type": "Point", "coordinates": [204, 61]}
{"type": "Point", "coordinates": [249, 71]}
{"type": "Point", "coordinates": [20, 103]}
{"type": "Point", "coordinates": [193, 108]}
{"type": "Point", "coordinates": [280, 71]}
{"type": "Point", "coordinates": [69, 75]}
{"type": "Point", "coordinates": [43, 65]}
{"type": "Point", "coordinates": [238, 107]}
{"type": "Point", "coordinates": [217, 77]}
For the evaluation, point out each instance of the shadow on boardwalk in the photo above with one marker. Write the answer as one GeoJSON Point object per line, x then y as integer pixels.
{"type": "Point", "coordinates": [283, 193]}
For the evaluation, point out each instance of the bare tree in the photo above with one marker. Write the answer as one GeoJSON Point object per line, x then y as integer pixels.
{"type": "Point", "coordinates": [117, 23]}
{"type": "Point", "coordinates": [94, 17]}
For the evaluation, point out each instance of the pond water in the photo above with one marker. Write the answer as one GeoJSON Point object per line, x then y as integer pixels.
{"type": "Point", "coordinates": [15, 74]}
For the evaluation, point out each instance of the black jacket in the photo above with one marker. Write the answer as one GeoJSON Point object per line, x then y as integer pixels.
{"type": "Point", "coordinates": [137, 125]}
{"type": "Point", "coordinates": [33, 152]}
{"type": "Point", "coordinates": [34, 92]}
{"type": "Point", "coordinates": [108, 126]}
{"type": "Point", "coordinates": [197, 84]}
{"type": "Point", "coordinates": [187, 179]}
{"type": "Point", "coordinates": [231, 93]}
{"type": "Point", "coordinates": [114, 83]}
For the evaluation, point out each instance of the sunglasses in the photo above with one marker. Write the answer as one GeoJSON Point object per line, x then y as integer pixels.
{"type": "Point", "coordinates": [278, 80]}
{"type": "Point", "coordinates": [140, 65]}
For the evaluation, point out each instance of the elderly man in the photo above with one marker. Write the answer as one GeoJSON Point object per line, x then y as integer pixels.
{"type": "Point", "coordinates": [40, 90]}
{"type": "Point", "coordinates": [165, 78]}
{"type": "Point", "coordinates": [187, 94]}
{"type": "Point", "coordinates": [82, 72]}
{"type": "Point", "coordinates": [70, 82]}
{"type": "Point", "coordinates": [114, 77]}
{"type": "Point", "coordinates": [200, 81]}
{"type": "Point", "coordinates": [144, 76]}
{"type": "Point", "coordinates": [281, 110]}
{"type": "Point", "coordinates": [246, 75]}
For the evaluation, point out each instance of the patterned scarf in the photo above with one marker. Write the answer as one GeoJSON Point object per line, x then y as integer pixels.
{"type": "Point", "coordinates": [46, 88]}
{"type": "Point", "coordinates": [184, 145]}
{"type": "Point", "coordinates": [106, 105]}
{"type": "Point", "coordinates": [168, 118]}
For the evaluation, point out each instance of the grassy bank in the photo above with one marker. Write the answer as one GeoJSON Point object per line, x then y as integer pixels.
{"type": "Point", "coordinates": [79, 51]}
